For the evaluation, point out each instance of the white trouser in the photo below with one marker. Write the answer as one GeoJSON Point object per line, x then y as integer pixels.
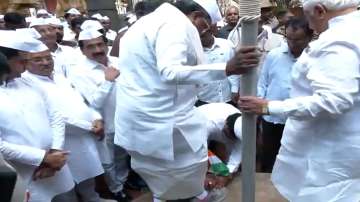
{"type": "Point", "coordinates": [116, 172]}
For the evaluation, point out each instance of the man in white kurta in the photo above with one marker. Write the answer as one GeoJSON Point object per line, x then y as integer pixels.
{"type": "Point", "coordinates": [81, 124]}
{"type": "Point", "coordinates": [216, 115]}
{"type": "Point", "coordinates": [31, 128]}
{"type": "Point", "coordinates": [64, 57]}
{"type": "Point", "coordinates": [156, 120]}
{"type": "Point", "coordinates": [319, 156]}
{"type": "Point", "coordinates": [221, 50]}
{"type": "Point", "coordinates": [94, 77]}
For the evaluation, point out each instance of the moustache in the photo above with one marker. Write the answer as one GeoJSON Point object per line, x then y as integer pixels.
{"type": "Point", "coordinates": [99, 54]}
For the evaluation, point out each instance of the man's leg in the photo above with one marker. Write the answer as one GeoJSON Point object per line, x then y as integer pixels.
{"type": "Point", "coordinates": [86, 189]}
{"type": "Point", "coordinates": [117, 171]}
{"type": "Point", "coordinates": [271, 136]}
{"type": "Point", "coordinates": [69, 196]}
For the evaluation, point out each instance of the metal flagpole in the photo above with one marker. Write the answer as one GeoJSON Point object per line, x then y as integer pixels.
{"type": "Point", "coordinates": [250, 13]}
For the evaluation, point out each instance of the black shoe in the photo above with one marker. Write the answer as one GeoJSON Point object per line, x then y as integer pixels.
{"type": "Point", "coordinates": [135, 182]}
{"type": "Point", "coordinates": [122, 197]}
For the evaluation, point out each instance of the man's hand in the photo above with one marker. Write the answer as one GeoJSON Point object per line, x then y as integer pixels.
{"type": "Point", "coordinates": [255, 105]}
{"type": "Point", "coordinates": [43, 172]}
{"type": "Point", "coordinates": [55, 159]}
{"type": "Point", "coordinates": [234, 97]}
{"type": "Point", "coordinates": [222, 181]}
{"type": "Point", "coordinates": [210, 181]}
{"type": "Point", "coordinates": [111, 73]}
{"type": "Point", "coordinates": [244, 60]}
{"type": "Point", "coordinates": [98, 129]}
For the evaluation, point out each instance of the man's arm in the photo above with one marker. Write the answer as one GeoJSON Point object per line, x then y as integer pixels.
{"type": "Point", "coordinates": [21, 153]}
{"type": "Point", "coordinates": [56, 120]}
{"type": "Point", "coordinates": [235, 157]}
{"type": "Point", "coordinates": [334, 77]}
{"type": "Point", "coordinates": [94, 95]}
{"type": "Point", "coordinates": [172, 59]}
{"type": "Point", "coordinates": [334, 81]}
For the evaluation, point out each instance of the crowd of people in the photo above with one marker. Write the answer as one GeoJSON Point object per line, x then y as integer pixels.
{"type": "Point", "coordinates": [161, 98]}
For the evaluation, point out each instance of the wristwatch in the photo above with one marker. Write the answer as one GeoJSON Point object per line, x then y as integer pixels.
{"type": "Point", "coordinates": [265, 109]}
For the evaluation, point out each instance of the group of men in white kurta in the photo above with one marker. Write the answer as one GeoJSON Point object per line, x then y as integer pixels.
{"type": "Point", "coordinates": [147, 111]}
{"type": "Point", "coordinates": [81, 90]}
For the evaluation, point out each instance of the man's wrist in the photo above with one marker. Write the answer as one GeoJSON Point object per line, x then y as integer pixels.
{"type": "Point", "coordinates": [265, 109]}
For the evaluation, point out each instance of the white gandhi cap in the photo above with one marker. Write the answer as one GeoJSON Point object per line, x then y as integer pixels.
{"type": "Point", "coordinates": [18, 41]}
{"type": "Point", "coordinates": [42, 11]}
{"type": "Point", "coordinates": [39, 22]}
{"type": "Point", "coordinates": [73, 11]}
{"type": "Point", "coordinates": [91, 24]}
{"type": "Point", "coordinates": [28, 32]}
{"type": "Point", "coordinates": [212, 9]}
{"type": "Point", "coordinates": [238, 128]}
{"type": "Point", "coordinates": [97, 16]}
{"type": "Point", "coordinates": [89, 34]}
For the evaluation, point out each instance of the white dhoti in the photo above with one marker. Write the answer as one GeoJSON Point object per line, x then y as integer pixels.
{"type": "Point", "coordinates": [181, 178]}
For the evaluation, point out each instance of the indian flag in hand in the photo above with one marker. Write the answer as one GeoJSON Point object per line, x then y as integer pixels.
{"type": "Point", "coordinates": [217, 167]}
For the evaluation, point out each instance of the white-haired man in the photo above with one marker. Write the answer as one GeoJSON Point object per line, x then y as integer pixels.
{"type": "Point", "coordinates": [320, 154]}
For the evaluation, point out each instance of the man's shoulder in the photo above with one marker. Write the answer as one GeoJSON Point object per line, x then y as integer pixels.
{"type": "Point", "coordinates": [278, 51]}
{"type": "Point", "coordinates": [224, 43]}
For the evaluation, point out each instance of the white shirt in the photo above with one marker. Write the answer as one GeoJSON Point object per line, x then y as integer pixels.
{"type": "Point", "coordinates": [30, 126]}
{"type": "Point", "coordinates": [320, 154]}
{"type": "Point", "coordinates": [65, 59]}
{"type": "Point", "coordinates": [275, 76]}
{"type": "Point", "coordinates": [69, 101]}
{"type": "Point", "coordinates": [89, 79]}
{"type": "Point", "coordinates": [216, 115]}
{"type": "Point", "coordinates": [111, 35]}
{"type": "Point", "coordinates": [156, 90]}
{"type": "Point", "coordinates": [69, 35]}
{"type": "Point", "coordinates": [219, 91]}
{"type": "Point", "coordinates": [78, 116]}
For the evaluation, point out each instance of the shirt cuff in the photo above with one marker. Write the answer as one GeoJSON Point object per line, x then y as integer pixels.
{"type": "Point", "coordinates": [234, 89]}
{"type": "Point", "coordinates": [213, 66]}
{"type": "Point", "coordinates": [58, 142]}
{"type": "Point", "coordinates": [276, 107]}
{"type": "Point", "coordinates": [232, 168]}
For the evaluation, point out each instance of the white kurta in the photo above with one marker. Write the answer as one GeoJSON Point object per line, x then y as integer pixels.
{"type": "Point", "coordinates": [100, 94]}
{"type": "Point", "coordinates": [84, 161]}
{"type": "Point", "coordinates": [27, 121]}
{"type": "Point", "coordinates": [65, 59]}
{"type": "Point", "coordinates": [216, 115]}
{"type": "Point", "coordinates": [156, 90]}
{"type": "Point", "coordinates": [88, 78]}
{"type": "Point", "coordinates": [319, 159]}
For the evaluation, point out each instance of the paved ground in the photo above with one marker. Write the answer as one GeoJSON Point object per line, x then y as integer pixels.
{"type": "Point", "coordinates": [265, 192]}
